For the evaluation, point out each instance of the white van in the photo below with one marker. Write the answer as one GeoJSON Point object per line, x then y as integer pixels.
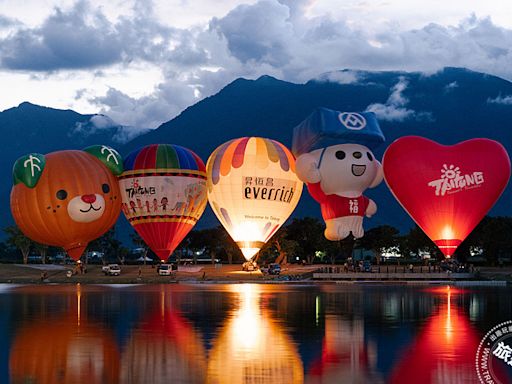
{"type": "Point", "coordinates": [111, 270]}
{"type": "Point", "coordinates": [165, 270]}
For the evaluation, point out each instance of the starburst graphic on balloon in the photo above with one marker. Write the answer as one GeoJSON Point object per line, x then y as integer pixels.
{"type": "Point", "coordinates": [450, 172]}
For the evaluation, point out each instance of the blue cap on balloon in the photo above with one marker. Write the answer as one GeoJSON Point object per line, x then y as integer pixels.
{"type": "Point", "coordinates": [326, 127]}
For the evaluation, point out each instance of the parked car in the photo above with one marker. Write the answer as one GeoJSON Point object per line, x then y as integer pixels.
{"type": "Point", "coordinates": [451, 265]}
{"type": "Point", "coordinates": [165, 269]}
{"type": "Point", "coordinates": [111, 270]}
{"type": "Point", "coordinates": [249, 266]}
{"type": "Point", "coordinates": [274, 269]}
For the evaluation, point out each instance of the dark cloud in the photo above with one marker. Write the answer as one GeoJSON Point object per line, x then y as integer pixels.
{"type": "Point", "coordinates": [259, 32]}
{"type": "Point", "coordinates": [7, 22]}
{"type": "Point", "coordinates": [80, 38]}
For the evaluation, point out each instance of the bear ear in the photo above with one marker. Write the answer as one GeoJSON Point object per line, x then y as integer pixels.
{"type": "Point", "coordinates": [28, 169]}
{"type": "Point", "coordinates": [108, 156]}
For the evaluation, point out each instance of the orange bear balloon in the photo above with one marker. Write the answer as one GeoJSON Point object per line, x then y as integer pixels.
{"type": "Point", "coordinates": [67, 198]}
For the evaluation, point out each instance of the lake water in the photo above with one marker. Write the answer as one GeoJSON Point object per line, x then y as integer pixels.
{"type": "Point", "coordinates": [245, 333]}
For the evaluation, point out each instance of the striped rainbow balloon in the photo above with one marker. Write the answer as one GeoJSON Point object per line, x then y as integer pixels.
{"type": "Point", "coordinates": [253, 189]}
{"type": "Point", "coordinates": [233, 153]}
{"type": "Point", "coordinates": [163, 157]}
{"type": "Point", "coordinates": [163, 191]}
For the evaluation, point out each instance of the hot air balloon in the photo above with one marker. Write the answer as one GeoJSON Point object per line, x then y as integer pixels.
{"type": "Point", "coordinates": [446, 190]}
{"type": "Point", "coordinates": [335, 159]}
{"type": "Point", "coordinates": [252, 188]}
{"type": "Point", "coordinates": [67, 198]}
{"type": "Point", "coordinates": [163, 190]}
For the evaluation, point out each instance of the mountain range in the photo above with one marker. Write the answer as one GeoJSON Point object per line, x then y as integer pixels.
{"type": "Point", "coordinates": [448, 106]}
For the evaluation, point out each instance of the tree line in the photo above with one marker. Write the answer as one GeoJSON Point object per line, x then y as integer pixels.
{"type": "Point", "coordinates": [301, 240]}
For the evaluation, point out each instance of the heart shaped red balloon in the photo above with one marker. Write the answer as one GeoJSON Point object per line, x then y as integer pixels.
{"type": "Point", "coordinates": [446, 190]}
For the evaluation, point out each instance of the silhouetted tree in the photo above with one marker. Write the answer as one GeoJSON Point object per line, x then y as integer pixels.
{"type": "Point", "coordinates": [379, 238]}
{"type": "Point", "coordinates": [17, 239]}
{"type": "Point", "coordinates": [214, 241]}
{"type": "Point", "coordinates": [140, 243]}
{"type": "Point", "coordinates": [308, 232]}
{"type": "Point", "coordinates": [494, 235]}
{"type": "Point", "coordinates": [416, 241]}
{"type": "Point", "coordinates": [281, 244]}
{"type": "Point", "coordinates": [110, 246]}
{"type": "Point", "coordinates": [43, 251]}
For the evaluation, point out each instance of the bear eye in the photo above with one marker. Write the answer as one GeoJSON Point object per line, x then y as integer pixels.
{"type": "Point", "coordinates": [61, 194]}
{"type": "Point", "coordinates": [340, 155]}
{"type": "Point", "coordinates": [370, 157]}
{"type": "Point", "coordinates": [357, 155]}
{"type": "Point", "coordinates": [105, 188]}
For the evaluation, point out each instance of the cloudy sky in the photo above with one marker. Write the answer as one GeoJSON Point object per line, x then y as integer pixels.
{"type": "Point", "coordinates": [143, 62]}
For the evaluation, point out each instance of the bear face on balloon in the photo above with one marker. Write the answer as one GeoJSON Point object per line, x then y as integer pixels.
{"type": "Point", "coordinates": [338, 167]}
{"type": "Point", "coordinates": [67, 198]}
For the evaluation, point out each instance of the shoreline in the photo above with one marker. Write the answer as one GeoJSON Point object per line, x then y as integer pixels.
{"type": "Point", "coordinates": [228, 274]}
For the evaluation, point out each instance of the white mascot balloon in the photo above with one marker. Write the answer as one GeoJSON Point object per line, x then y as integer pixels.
{"type": "Point", "coordinates": [335, 160]}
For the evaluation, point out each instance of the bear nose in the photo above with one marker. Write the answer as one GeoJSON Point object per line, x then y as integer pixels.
{"type": "Point", "coordinates": [89, 199]}
{"type": "Point", "coordinates": [357, 155]}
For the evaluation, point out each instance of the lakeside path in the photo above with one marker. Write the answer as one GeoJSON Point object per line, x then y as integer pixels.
{"type": "Point", "coordinates": [31, 274]}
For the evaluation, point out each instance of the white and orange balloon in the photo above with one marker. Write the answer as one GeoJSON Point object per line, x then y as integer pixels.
{"type": "Point", "coordinates": [253, 189]}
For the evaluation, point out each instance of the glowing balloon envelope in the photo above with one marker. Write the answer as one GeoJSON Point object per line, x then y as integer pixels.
{"type": "Point", "coordinates": [253, 189]}
{"type": "Point", "coordinates": [163, 190]}
{"type": "Point", "coordinates": [67, 198]}
{"type": "Point", "coordinates": [446, 190]}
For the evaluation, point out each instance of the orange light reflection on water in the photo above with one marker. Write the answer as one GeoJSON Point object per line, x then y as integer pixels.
{"type": "Point", "coordinates": [252, 347]}
{"type": "Point", "coordinates": [64, 349]}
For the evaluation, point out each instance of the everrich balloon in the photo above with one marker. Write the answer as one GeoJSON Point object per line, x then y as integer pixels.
{"type": "Point", "coordinates": [67, 198]}
{"type": "Point", "coordinates": [253, 189]}
{"type": "Point", "coordinates": [446, 190]}
{"type": "Point", "coordinates": [163, 191]}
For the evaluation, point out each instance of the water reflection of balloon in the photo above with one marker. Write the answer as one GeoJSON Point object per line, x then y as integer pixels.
{"type": "Point", "coordinates": [346, 355]}
{"type": "Point", "coordinates": [447, 190]}
{"type": "Point", "coordinates": [444, 351]}
{"type": "Point", "coordinates": [252, 345]}
{"type": "Point", "coordinates": [164, 349]}
{"type": "Point", "coordinates": [253, 189]}
{"type": "Point", "coordinates": [67, 198]}
{"type": "Point", "coordinates": [163, 190]}
{"type": "Point", "coordinates": [64, 349]}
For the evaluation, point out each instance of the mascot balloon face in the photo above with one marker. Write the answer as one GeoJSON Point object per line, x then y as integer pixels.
{"type": "Point", "coordinates": [338, 167]}
{"type": "Point", "coordinates": [67, 198]}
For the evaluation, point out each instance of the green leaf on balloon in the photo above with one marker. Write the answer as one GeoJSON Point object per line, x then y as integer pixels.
{"type": "Point", "coordinates": [28, 169]}
{"type": "Point", "coordinates": [108, 156]}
